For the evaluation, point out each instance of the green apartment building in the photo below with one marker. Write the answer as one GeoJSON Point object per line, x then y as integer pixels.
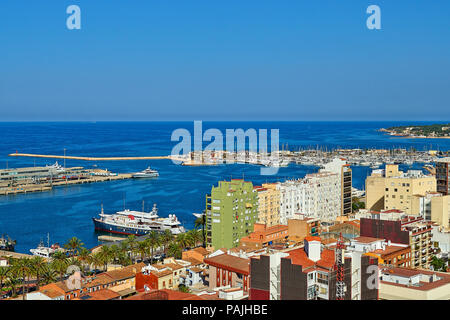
{"type": "Point", "coordinates": [231, 212]}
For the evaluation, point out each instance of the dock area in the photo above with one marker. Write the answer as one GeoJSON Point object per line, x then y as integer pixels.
{"type": "Point", "coordinates": [16, 255]}
{"type": "Point", "coordinates": [110, 238]}
{"type": "Point", "coordinates": [31, 155]}
{"type": "Point", "coordinates": [41, 179]}
{"type": "Point", "coordinates": [27, 188]}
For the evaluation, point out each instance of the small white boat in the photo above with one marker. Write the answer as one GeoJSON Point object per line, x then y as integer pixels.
{"type": "Point", "coordinates": [147, 173]}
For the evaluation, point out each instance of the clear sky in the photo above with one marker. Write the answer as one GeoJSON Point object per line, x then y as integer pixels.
{"type": "Point", "coordinates": [224, 60]}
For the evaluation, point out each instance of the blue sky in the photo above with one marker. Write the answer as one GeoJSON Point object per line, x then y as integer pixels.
{"type": "Point", "coordinates": [224, 60]}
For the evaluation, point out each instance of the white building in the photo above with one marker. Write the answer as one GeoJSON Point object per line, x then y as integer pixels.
{"type": "Point", "coordinates": [318, 195]}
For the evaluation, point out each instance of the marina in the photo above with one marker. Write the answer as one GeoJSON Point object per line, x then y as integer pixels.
{"type": "Point", "coordinates": [67, 211]}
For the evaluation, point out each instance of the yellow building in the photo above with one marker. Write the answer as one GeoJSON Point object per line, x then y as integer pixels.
{"type": "Point", "coordinates": [268, 204]}
{"type": "Point", "coordinates": [433, 206]}
{"type": "Point", "coordinates": [393, 189]}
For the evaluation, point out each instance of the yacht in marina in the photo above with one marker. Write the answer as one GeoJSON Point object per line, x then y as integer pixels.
{"type": "Point", "coordinates": [147, 173]}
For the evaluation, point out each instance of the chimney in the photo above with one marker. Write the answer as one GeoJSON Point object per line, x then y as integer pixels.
{"type": "Point", "coordinates": [312, 248]}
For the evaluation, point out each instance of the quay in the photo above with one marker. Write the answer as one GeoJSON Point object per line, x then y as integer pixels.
{"type": "Point", "coordinates": [86, 158]}
{"type": "Point", "coordinates": [110, 238]}
{"type": "Point", "coordinates": [16, 255]}
{"type": "Point", "coordinates": [26, 188]}
{"type": "Point", "coordinates": [41, 179]}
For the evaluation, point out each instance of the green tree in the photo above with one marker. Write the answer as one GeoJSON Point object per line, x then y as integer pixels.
{"type": "Point", "coordinates": [23, 268]}
{"type": "Point", "coordinates": [438, 264]}
{"type": "Point", "coordinates": [3, 274]}
{"type": "Point", "coordinates": [183, 288]}
{"type": "Point", "coordinates": [153, 241]}
{"type": "Point", "coordinates": [105, 255]}
{"type": "Point", "coordinates": [166, 239]}
{"type": "Point", "coordinates": [174, 250]}
{"type": "Point", "coordinates": [59, 263]}
{"type": "Point", "coordinates": [73, 245]}
{"type": "Point", "coordinates": [85, 258]}
{"type": "Point", "coordinates": [37, 265]}
{"type": "Point", "coordinates": [48, 275]}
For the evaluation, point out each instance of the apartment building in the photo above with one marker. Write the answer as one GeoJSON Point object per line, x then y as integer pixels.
{"type": "Point", "coordinates": [411, 284]}
{"type": "Point", "coordinates": [433, 206]}
{"type": "Point", "coordinates": [231, 212]}
{"type": "Point", "coordinates": [442, 175]}
{"type": "Point", "coordinates": [400, 228]}
{"type": "Point", "coordinates": [308, 273]}
{"type": "Point", "coordinates": [387, 253]}
{"type": "Point", "coordinates": [268, 204]}
{"type": "Point", "coordinates": [390, 188]}
{"type": "Point", "coordinates": [226, 270]}
{"type": "Point", "coordinates": [318, 195]}
{"type": "Point", "coordinates": [343, 170]}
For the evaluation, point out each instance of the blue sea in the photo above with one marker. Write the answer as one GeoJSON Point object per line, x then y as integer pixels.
{"type": "Point", "coordinates": [67, 211]}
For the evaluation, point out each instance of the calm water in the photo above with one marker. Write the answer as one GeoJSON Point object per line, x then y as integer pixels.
{"type": "Point", "coordinates": [66, 211]}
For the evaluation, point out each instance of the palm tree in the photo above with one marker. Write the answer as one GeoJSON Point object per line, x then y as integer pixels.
{"type": "Point", "coordinates": [174, 250]}
{"type": "Point", "coordinates": [142, 248]}
{"type": "Point", "coordinates": [131, 244]}
{"type": "Point", "coordinates": [3, 274]}
{"type": "Point", "coordinates": [96, 260]}
{"type": "Point", "coordinates": [115, 253]}
{"type": "Point", "coordinates": [201, 223]}
{"type": "Point", "coordinates": [37, 265]}
{"type": "Point", "coordinates": [85, 258]}
{"type": "Point", "coordinates": [182, 240]}
{"type": "Point", "coordinates": [60, 263]}
{"type": "Point", "coordinates": [23, 268]}
{"type": "Point", "coordinates": [153, 241]}
{"type": "Point", "coordinates": [13, 281]}
{"type": "Point", "coordinates": [105, 256]}
{"type": "Point", "coordinates": [74, 245]}
{"type": "Point", "coordinates": [48, 275]}
{"type": "Point", "coordinates": [438, 264]}
{"type": "Point", "coordinates": [166, 239]}
{"type": "Point", "coordinates": [194, 237]}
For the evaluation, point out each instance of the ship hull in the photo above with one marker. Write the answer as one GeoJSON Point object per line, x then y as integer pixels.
{"type": "Point", "coordinates": [105, 227]}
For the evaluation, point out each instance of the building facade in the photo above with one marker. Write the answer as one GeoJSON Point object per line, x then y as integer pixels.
{"type": "Point", "coordinates": [397, 227]}
{"type": "Point", "coordinates": [231, 212]}
{"type": "Point", "coordinates": [393, 189]}
{"type": "Point", "coordinates": [268, 204]}
{"type": "Point", "coordinates": [308, 273]}
{"type": "Point", "coordinates": [340, 167]}
{"type": "Point", "coordinates": [442, 175]}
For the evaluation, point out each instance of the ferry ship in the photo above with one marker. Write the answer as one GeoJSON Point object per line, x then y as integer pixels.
{"type": "Point", "coordinates": [147, 173]}
{"type": "Point", "coordinates": [137, 222]}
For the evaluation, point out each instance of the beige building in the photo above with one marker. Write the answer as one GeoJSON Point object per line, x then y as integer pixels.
{"type": "Point", "coordinates": [393, 189]}
{"type": "Point", "coordinates": [433, 206]}
{"type": "Point", "coordinates": [410, 284]}
{"type": "Point", "coordinates": [269, 204]}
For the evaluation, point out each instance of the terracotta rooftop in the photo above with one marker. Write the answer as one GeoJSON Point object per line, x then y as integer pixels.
{"type": "Point", "coordinates": [193, 261]}
{"type": "Point", "coordinates": [366, 239]}
{"type": "Point", "coordinates": [201, 250]}
{"type": "Point", "coordinates": [299, 257]}
{"type": "Point", "coordinates": [169, 294]}
{"type": "Point", "coordinates": [104, 294]}
{"type": "Point", "coordinates": [424, 286]}
{"type": "Point", "coordinates": [230, 262]}
{"type": "Point", "coordinates": [389, 250]}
